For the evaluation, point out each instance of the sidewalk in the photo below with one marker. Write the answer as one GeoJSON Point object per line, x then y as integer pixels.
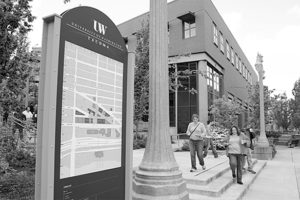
{"type": "Point", "coordinates": [183, 159]}
{"type": "Point", "coordinates": [280, 179]}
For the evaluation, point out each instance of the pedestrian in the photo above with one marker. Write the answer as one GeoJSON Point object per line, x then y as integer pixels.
{"type": "Point", "coordinates": [237, 143]}
{"type": "Point", "coordinates": [34, 114]}
{"type": "Point", "coordinates": [19, 123]}
{"type": "Point", "coordinates": [251, 135]}
{"type": "Point", "coordinates": [196, 132]}
{"type": "Point", "coordinates": [5, 117]}
{"type": "Point", "coordinates": [210, 132]}
{"type": "Point", "coordinates": [27, 113]}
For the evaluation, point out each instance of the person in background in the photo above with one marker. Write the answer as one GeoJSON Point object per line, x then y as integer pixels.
{"type": "Point", "coordinates": [251, 135]}
{"type": "Point", "coordinates": [27, 113]}
{"type": "Point", "coordinates": [18, 123]}
{"type": "Point", "coordinates": [196, 132]}
{"type": "Point", "coordinates": [237, 143]}
{"type": "Point", "coordinates": [5, 117]}
{"type": "Point", "coordinates": [209, 139]}
{"type": "Point", "coordinates": [34, 114]}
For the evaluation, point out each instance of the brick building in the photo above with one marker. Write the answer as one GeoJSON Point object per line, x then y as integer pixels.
{"type": "Point", "coordinates": [200, 40]}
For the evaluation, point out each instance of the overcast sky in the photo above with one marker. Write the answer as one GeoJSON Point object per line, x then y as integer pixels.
{"type": "Point", "coordinates": [271, 27]}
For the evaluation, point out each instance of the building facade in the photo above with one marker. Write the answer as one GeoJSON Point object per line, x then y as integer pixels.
{"type": "Point", "coordinates": [201, 42]}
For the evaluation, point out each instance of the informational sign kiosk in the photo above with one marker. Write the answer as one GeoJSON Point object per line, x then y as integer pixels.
{"type": "Point", "coordinates": [81, 124]}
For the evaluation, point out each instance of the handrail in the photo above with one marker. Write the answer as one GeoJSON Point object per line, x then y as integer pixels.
{"type": "Point", "coordinates": [24, 124]}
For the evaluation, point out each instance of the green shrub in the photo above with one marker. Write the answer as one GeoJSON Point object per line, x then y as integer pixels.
{"type": "Point", "coordinates": [7, 144]}
{"type": "Point", "coordinates": [274, 134]}
{"type": "Point", "coordinates": [139, 142]}
{"type": "Point", "coordinates": [185, 145]}
{"type": "Point", "coordinates": [17, 186]}
{"type": "Point", "coordinates": [20, 159]}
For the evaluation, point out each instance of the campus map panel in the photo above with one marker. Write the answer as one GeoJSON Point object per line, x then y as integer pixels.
{"type": "Point", "coordinates": [91, 128]}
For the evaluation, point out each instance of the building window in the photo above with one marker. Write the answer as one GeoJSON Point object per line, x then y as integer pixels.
{"type": "Point", "coordinates": [189, 29]}
{"type": "Point", "coordinates": [221, 42]}
{"type": "Point", "coordinates": [232, 56]}
{"type": "Point", "coordinates": [186, 100]}
{"type": "Point", "coordinates": [215, 35]}
{"type": "Point", "coordinates": [244, 71]}
{"type": "Point", "coordinates": [240, 63]}
{"type": "Point", "coordinates": [230, 97]}
{"type": "Point", "coordinates": [241, 69]}
{"type": "Point", "coordinates": [237, 64]}
{"type": "Point", "coordinates": [213, 85]}
{"type": "Point", "coordinates": [189, 24]}
{"type": "Point", "coordinates": [227, 50]}
{"type": "Point", "coordinates": [247, 74]}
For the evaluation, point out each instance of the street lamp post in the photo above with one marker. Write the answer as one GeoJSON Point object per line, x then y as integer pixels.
{"type": "Point", "coordinates": [262, 151]}
{"type": "Point", "coordinates": [158, 176]}
{"type": "Point", "coordinates": [262, 140]}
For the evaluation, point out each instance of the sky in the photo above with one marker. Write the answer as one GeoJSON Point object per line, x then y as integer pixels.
{"type": "Point", "coordinates": [270, 27]}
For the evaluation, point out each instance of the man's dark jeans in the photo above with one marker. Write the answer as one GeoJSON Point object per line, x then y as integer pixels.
{"type": "Point", "coordinates": [209, 142]}
{"type": "Point", "coordinates": [196, 146]}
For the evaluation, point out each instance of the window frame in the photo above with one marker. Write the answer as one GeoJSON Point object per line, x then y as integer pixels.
{"type": "Point", "coordinates": [215, 35]}
{"type": "Point", "coordinates": [191, 26]}
{"type": "Point", "coordinates": [228, 50]}
{"type": "Point", "coordinates": [232, 56]}
{"type": "Point", "coordinates": [222, 48]}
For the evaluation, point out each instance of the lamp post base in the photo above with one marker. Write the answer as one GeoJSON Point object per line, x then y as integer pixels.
{"type": "Point", "coordinates": [159, 185]}
{"type": "Point", "coordinates": [263, 153]}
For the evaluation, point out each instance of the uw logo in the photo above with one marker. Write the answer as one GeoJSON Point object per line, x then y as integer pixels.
{"type": "Point", "coordinates": [100, 28]}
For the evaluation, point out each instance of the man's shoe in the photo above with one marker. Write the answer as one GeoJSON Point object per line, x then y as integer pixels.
{"type": "Point", "coordinates": [240, 182]}
{"type": "Point", "coordinates": [204, 154]}
{"type": "Point", "coordinates": [193, 170]}
{"type": "Point", "coordinates": [203, 167]}
{"type": "Point", "coordinates": [251, 171]}
{"type": "Point", "coordinates": [216, 155]}
{"type": "Point", "coordinates": [233, 176]}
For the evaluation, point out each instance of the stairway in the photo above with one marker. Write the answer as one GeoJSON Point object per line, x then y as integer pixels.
{"type": "Point", "coordinates": [217, 183]}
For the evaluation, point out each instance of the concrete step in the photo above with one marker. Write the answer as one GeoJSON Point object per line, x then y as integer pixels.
{"type": "Point", "coordinates": [227, 190]}
{"type": "Point", "coordinates": [216, 185]}
{"type": "Point", "coordinates": [207, 176]}
{"type": "Point", "coordinates": [215, 188]}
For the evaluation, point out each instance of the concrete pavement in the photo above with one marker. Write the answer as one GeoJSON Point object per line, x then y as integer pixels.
{"type": "Point", "coordinates": [280, 179]}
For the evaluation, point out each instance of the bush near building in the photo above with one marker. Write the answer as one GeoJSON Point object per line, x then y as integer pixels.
{"type": "Point", "coordinates": [17, 167]}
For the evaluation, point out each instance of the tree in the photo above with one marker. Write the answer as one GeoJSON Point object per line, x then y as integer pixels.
{"type": "Point", "coordinates": [282, 111]}
{"type": "Point", "coordinates": [296, 105]}
{"type": "Point", "coordinates": [254, 115]}
{"type": "Point", "coordinates": [141, 75]}
{"type": "Point", "coordinates": [15, 23]}
{"type": "Point", "coordinates": [225, 112]}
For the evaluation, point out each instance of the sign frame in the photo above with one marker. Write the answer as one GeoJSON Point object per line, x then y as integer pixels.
{"type": "Point", "coordinates": [86, 186]}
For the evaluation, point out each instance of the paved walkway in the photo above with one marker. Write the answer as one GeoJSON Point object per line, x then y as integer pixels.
{"type": "Point", "coordinates": [183, 159]}
{"type": "Point", "coordinates": [280, 179]}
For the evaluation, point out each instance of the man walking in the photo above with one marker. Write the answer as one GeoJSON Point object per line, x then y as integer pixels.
{"type": "Point", "coordinates": [251, 135]}
{"type": "Point", "coordinates": [209, 139]}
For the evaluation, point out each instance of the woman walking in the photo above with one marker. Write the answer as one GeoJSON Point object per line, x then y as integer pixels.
{"type": "Point", "coordinates": [237, 149]}
{"type": "Point", "coordinates": [196, 132]}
